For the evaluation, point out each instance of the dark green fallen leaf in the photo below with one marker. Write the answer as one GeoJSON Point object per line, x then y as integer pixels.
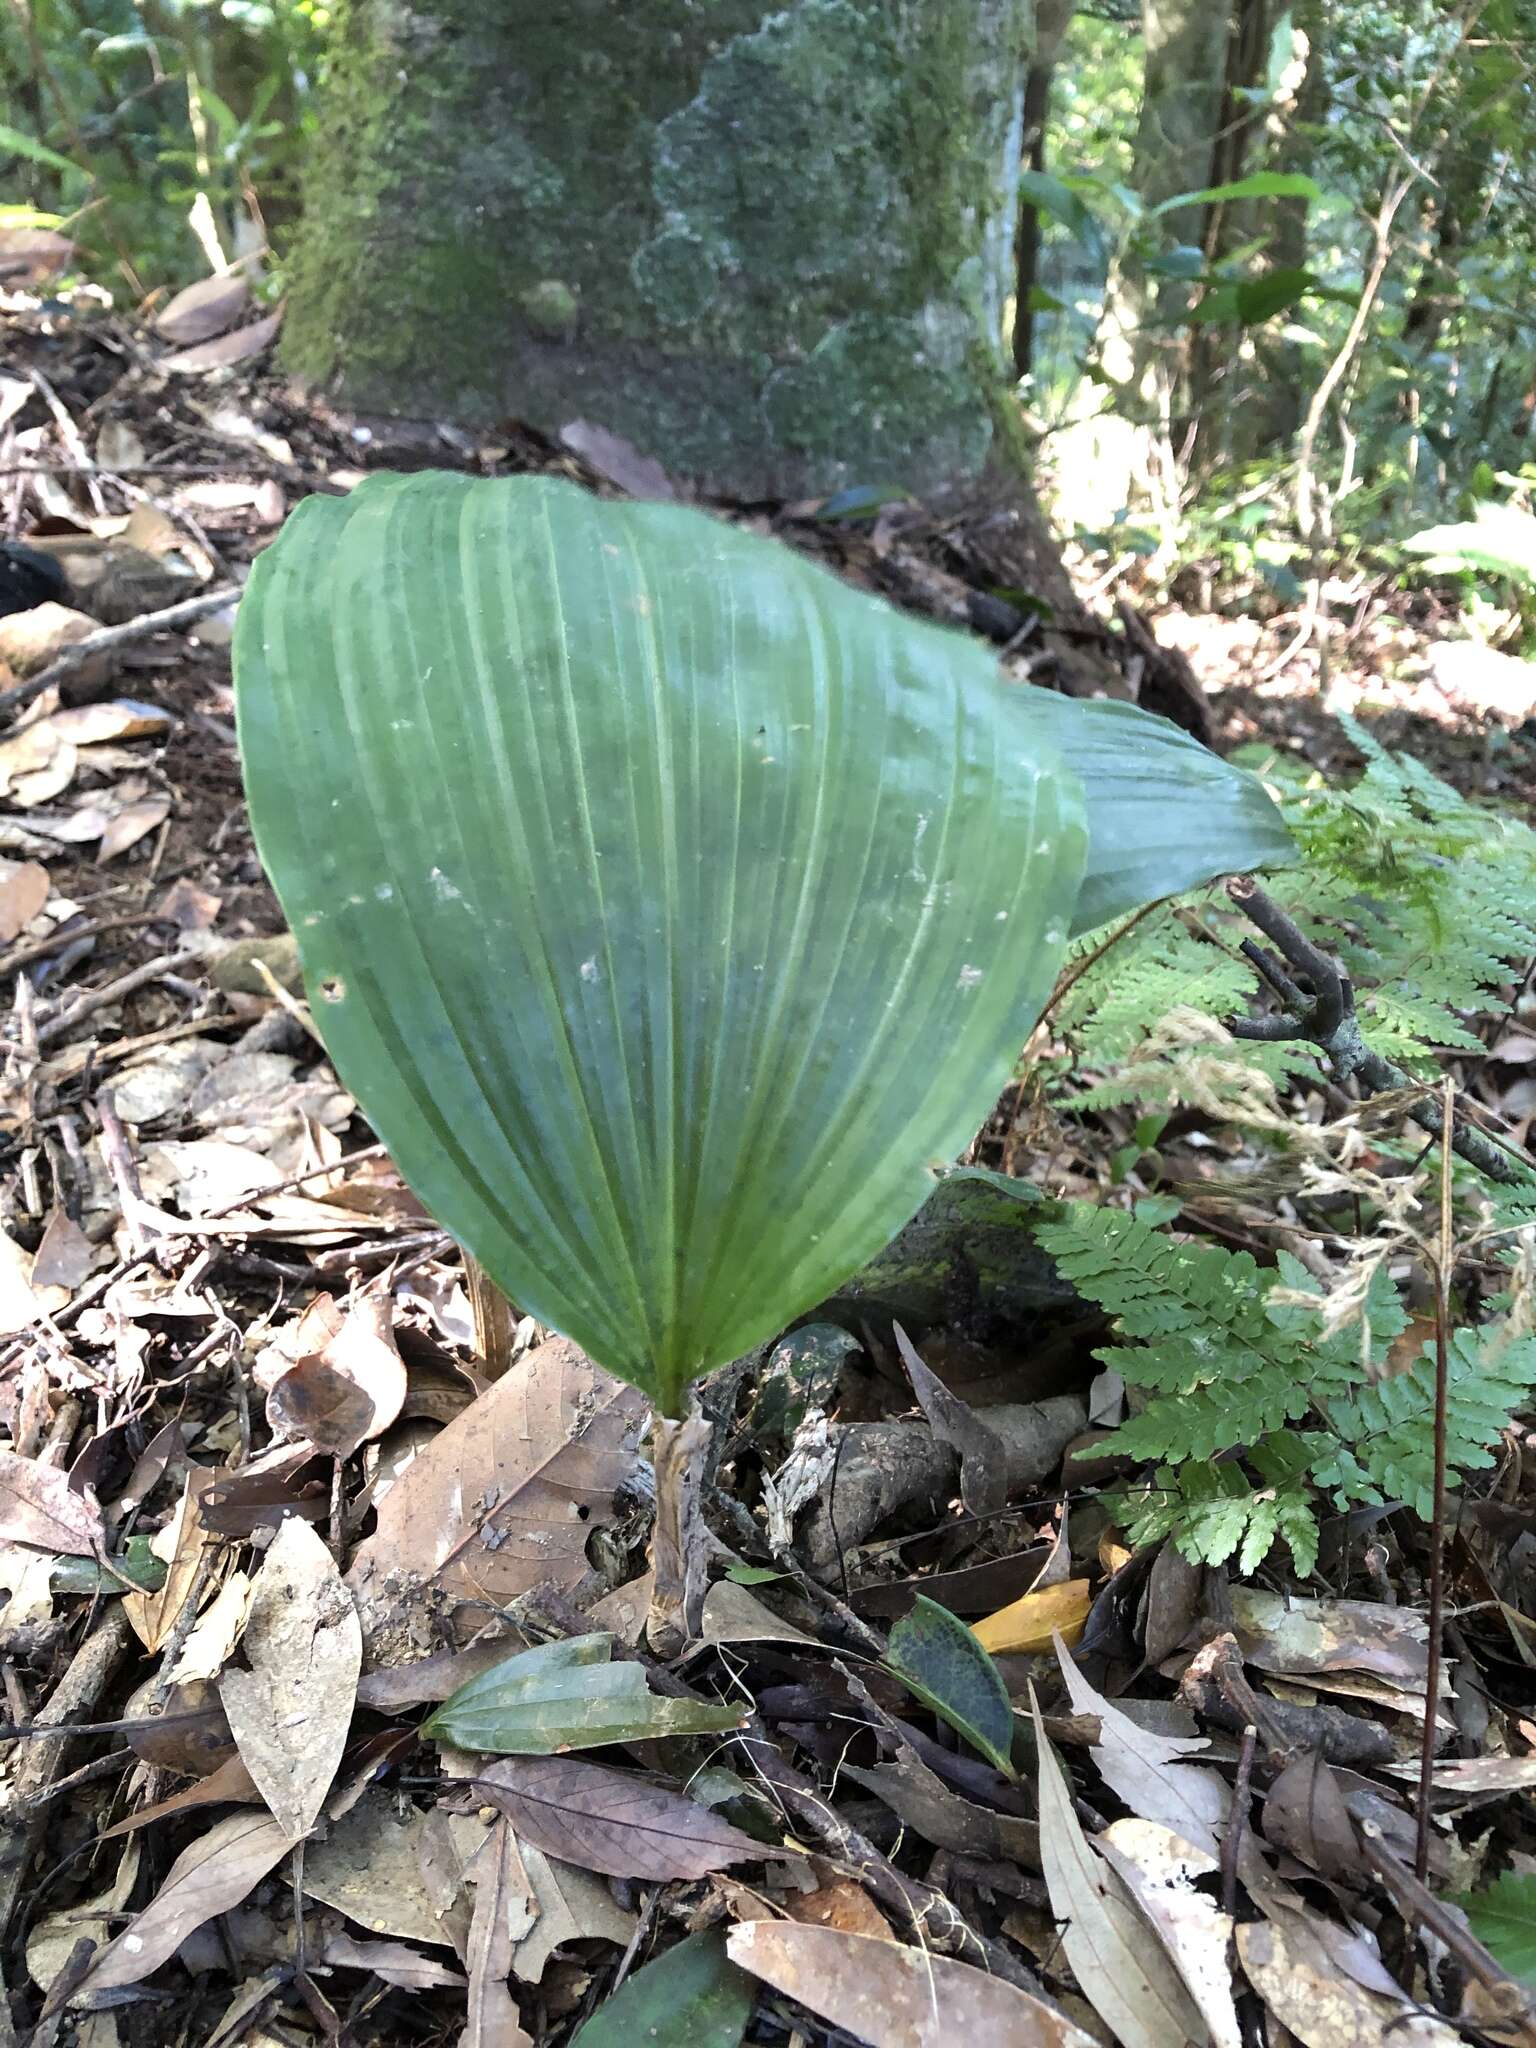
{"type": "Point", "coordinates": [137, 1563]}
{"type": "Point", "coordinates": [567, 1695]}
{"type": "Point", "coordinates": [1504, 1920]}
{"type": "Point", "coordinates": [692, 1997]}
{"type": "Point", "coordinates": [753, 1574]}
{"type": "Point", "coordinates": [936, 1657]}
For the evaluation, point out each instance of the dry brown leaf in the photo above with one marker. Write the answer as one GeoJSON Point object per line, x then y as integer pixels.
{"type": "Point", "coordinates": [202, 310]}
{"type": "Point", "coordinates": [919, 1797]}
{"type": "Point", "coordinates": [1313, 1638]}
{"type": "Point", "coordinates": [211, 1643]}
{"type": "Point", "coordinates": [391, 1960]}
{"type": "Point", "coordinates": [1159, 1871]}
{"type": "Point", "coordinates": [504, 1498]}
{"type": "Point", "coordinates": [1305, 1813]}
{"type": "Point", "coordinates": [32, 255]}
{"type": "Point", "coordinates": [290, 1712]}
{"type": "Point", "coordinates": [368, 1866]}
{"type": "Point", "coordinates": [733, 1615]}
{"type": "Point", "coordinates": [894, 1997]}
{"type": "Point", "coordinates": [52, 1941]}
{"type": "Point", "coordinates": [1291, 1969]}
{"type": "Point", "coordinates": [620, 461]}
{"type": "Point", "coordinates": [497, 1876]}
{"type": "Point", "coordinates": [570, 1905]}
{"type": "Point", "coordinates": [128, 826]}
{"type": "Point", "coordinates": [348, 1391]}
{"type": "Point", "coordinates": [609, 1821]}
{"type": "Point", "coordinates": [24, 889]}
{"type": "Point", "coordinates": [842, 1905]}
{"type": "Point", "coordinates": [66, 1258]}
{"type": "Point", "coordinates": [236, 347]}
{"type": "Point", "coordinates": [1128, 1980]}
{"type": "Point", "coordinates": [19, 1305]}
{"type": "Point", "coordinates": [1151, 1772]}
{"type": "Point", "coordinates": [39, 1506]}
{"type": "Point", "coordinates": [210, 1876]}
{"type": "Point", "coordinates": [231, 1784]}
{"type": "Point", "coordinates": [179, 1546]}
{"type": "Point", "coordinates": [1027, 1626]}
{"type": "Point", "coordinates": [983, 1460]}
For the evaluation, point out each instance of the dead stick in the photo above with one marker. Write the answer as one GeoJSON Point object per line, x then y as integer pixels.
{"type": "Point", "coordinates": [1445, 1259]}
{"type": "Point", "coordinates": [187, 613]}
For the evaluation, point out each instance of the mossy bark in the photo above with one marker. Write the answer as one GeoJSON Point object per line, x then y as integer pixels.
{"type": "Point", "coordinates": [767, 243]}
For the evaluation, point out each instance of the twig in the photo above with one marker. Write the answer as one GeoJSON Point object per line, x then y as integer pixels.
{"type": "Point", "coordinates": [1327, 1018]}
{"type": "Point", "coordinates": [852, 1626]}
{"type": "Point", "coordinates": [124, 1172]}
{"type": "Point", "coordinates": [187, 613]}
{"type": "Point", "coordinates": [1420, 1908]}
{"type": "Point", "coordinates": [1445, 1260]}
{"type": "Point", "coordinates": [113, 991]}
{"type": "Point", "coordinates": [1232, 1840]}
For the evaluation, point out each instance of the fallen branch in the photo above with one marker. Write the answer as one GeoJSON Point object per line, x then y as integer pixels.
{"type": "Point", "coordinates": [1323, 1011]}
{"type": "Point", "coordinates": [187, 613]}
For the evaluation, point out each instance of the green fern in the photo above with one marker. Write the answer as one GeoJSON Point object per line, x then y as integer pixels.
{"type": "Point", "coordinates": [1427, 900]}
{"type": "Point", "coordinates": [1235, 1357]}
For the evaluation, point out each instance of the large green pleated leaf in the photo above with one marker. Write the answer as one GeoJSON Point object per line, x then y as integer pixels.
{"type": "Point", "coordinates": [670, 907]}
{"type": "Point", "coordinates": [1164, 812]}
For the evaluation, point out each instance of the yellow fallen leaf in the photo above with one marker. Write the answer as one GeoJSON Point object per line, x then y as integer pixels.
{"type": "Point", "coordinates": [1025, 1626]}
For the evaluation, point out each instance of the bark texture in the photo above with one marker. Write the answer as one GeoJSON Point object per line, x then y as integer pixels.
{"type": "Point", "coordinates": [767, 243]}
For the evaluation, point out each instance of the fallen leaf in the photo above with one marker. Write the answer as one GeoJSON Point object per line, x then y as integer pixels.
{"type": "Point", "coordinates": [919, 1797]}
{"type": "Point", "coordinates": [1025, 1628]}
{"type": "Point", "coordinates": [39, 1506]}
{"type": "Point", "coordinates": [939, 1659]}
{"type": "Point", "coordinates": [570, 1905]}
{"type": "Point", "coordinates": [1473, 1777]}
{"type": "Point", "coordinates": [692, 1996]}
{"type": "Point", "coordinates": [1296, 1637]}
{"type": "Point", "coordinates": [121, 718]}
{"type": "Point", "coordinates": [351, 1391]}
{"type": "Point", "coordinates": [605, 1820]}
{"type": "Point", "coordinates": [392, 1961]}
{"type": "Point", "coordinates": [505, 1498]}
{"type": "Point", "coordinates": [19, 1305]}
{"type": "Point", "coordinates": [24, 889]}
{"type": "Point", "coordinates": [1293, 1972]}
{"type": "Point", "coordinates": [1504, 1919]}
{"type": "Point", "coordinates": [290, 1712]}
{"type": "Point", "coordinates": [212, 1641]}
{"type": "Point", "coordinates": [1160, 1872]}
{"type": "Point", "coordinates": [1130, 1983]}
{"type": "Point", "coordinates": [492, 2018]}
{"type": "Point", "coordinates": [983, 1460]}
{"type": "Point", "coordinates": [894, 1997]}
{"type": "Point", "coordinates": [118, 446]}
{"type": "Point", "coordinates": [732, 1615]}
{"type": "Point", "coordinates": [618, 460]}
{"type": "Point", "coordinates": [129, 825]}
{"type": "Point", "coordinates": [202, 310]}
{"type": "Point", "coordinates": [566, 1695]}
{"type": "Point", "coordinates": [237, 346]}
{"type": "Point", "coordinates": [66, 1258]}
{"type": "Point", "coordinates": [180, 1545]}
{"type": "Point", "coordinates": [841, 1904]}
{"type": "Point", "coordinates": [52, 1941]}
{"type": "Point", "coordinates": [431, 1679]}
{"type": "Point", "coordinates": [210, 1876]}
{"type": "Point", "coordinates": [230, 1784]}
{"type": "Point", "coordinates": [1305, 1813]}
{"type": "Point", "coordinates": [31, 256]}
{"type": "Point", "coordinates": [1151, 1772]}
{"type": "Point", "coordinates": [368, 1866]}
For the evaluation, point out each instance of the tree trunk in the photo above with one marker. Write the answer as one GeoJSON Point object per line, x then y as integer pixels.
{"type": "Point", "coordinates": [767, 243]}
{"type": "Point", "coordinates": [1052, 20]}
{"type": "Point", "coordinates": [1124, 456]}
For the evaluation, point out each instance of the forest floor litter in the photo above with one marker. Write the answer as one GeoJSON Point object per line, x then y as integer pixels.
{"type": "Point", "coordinates": [280, 1487]}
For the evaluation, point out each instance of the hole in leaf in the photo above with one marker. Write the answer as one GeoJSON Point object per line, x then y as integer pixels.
{"type": "Point", "coordinates": [332, 989]}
